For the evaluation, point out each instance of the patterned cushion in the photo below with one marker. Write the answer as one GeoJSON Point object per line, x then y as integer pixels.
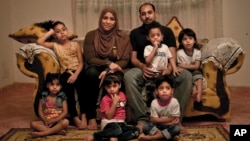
{"type": "Point", "coordinates": [30, 33]}
{"type": "Point", "coordinates": [176, 27]}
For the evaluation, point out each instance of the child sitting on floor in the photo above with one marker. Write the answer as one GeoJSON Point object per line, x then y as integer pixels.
{"type": "Point", "coordinates": [52, 109]}
{"type": "Point", "coordinates": [164, 113]}
{"type": "Point", "coordinates": [113, 114]}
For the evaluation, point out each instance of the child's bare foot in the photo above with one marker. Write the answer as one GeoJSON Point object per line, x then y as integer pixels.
{"type": "Point", "coordinates": [78, 123]}
{"type": "Point", "coordinates": [113, 139]}
{"type": "Point", "coordinates": [198, 96]}
{"type": "Point", "coordinates": [140, 125]}
{"type": "Point", "coordinates": [176, 138]}
{"type": "Point", "coordinates": [194, 95]}
{"type": "Point", "coordinates": [89, 138]}
{"type": "Point", "coordinates": [62, 132]}
{"type": "Point", "coordinates": [143, 137]}
{"type": "Point", "coordinates": [84, 121]}
{"type": "Point", "coordinates": [194, 92]}
{"type": "Point", "coordinates": [183, 130]}
{"type": "Point", "coordinates": [92, 124]}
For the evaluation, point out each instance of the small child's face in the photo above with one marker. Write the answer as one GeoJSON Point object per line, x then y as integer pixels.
{"type": "Point", "coordinates": [61, 32]}
{"type": "Point", "coordinates": [155, 36]}
{"type": "Point", "coordinates": [188, 42]}
{"type": "Point", "coordinates": [164, 91]}
{"type": "Point", "coordinates": [113, 88]}
{"type": "Point", "coordinates": [54, 87]}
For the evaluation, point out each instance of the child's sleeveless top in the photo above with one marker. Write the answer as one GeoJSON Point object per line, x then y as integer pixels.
{"type": "Point", "coordinates": [52, 110]}
{"type": "Point", "coordinates": [67, 57]}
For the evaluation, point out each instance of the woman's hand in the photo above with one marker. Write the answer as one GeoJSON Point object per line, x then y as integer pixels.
{"type": "Point", "coordinates": [114, 67]}
{"type": "Point", "coordinates": [72, 79]}
{"type": "Point", "coordinates": [102, 76]}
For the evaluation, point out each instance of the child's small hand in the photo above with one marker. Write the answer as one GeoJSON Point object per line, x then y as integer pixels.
{"type": "Point", "coordinates": [156, 44]}
{"type": "Point", "coordinates": [47, 123]}
{"type": "Point", "coordinates": [51, 31]}
{"type": "Point", "coordinates": [115, 98]}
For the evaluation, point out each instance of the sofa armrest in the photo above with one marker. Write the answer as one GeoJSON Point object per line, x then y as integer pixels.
{"type": "Point", "coordinates": [236, 65]}
{"type": "Point", "coordinates": [21, 61]}
{"type": "Point", "coordinates": [36, 66]}
{"type": "Point", "coordinates": [21, 66]}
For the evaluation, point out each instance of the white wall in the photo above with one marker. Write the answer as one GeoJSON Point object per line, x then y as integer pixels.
{"type": "Point", "coordinates": [236, 24]}
{"type": "Point", "coordinates": [7, 60]}
{"type": "Point", "coordinates": [27, 12]}
{"type": "Point", "coordinates": [16, 14]}
{"type": "Point", "coordinates": [21, 13]}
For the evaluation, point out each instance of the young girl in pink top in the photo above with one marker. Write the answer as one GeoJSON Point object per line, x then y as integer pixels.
{"type": "Point", "coordinates": [113, 112]}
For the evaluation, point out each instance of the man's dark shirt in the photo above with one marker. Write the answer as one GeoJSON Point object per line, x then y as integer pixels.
{"type": "Point", "coordinates": [139, 41]}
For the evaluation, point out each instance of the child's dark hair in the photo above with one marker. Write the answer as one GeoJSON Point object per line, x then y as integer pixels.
{"type": "Point", "coordinates": [188, 32]}
{"type": "Point", "coordinates": [164, 78]}
{"type": "Point", "coordinates": [50, 77]}
{"type": "Point", "coordinates": [111, 78]}
{"type": "Point", "coordinates": [55, 23]}
{"type": "Point", "coordinates": [154, 25]}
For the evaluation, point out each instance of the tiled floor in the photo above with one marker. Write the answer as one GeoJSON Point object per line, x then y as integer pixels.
{"type": "Point", "coordinates": [16, 110]}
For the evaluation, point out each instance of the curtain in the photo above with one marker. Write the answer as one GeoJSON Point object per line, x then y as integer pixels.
{"type": "Point", "coordinates": [203, 16]}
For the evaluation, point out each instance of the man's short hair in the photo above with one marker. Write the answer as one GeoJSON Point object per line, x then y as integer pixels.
{"type": "Point", "coordinates": [147, 3]}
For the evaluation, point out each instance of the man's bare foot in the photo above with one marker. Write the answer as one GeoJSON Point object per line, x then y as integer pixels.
{"type": "Point", "coordinates": [84, 121]}
{"type": "Point", "coordinates": [78, 123]}
{"type": "Point", "coordinates": [183, 130]}
{"type": "Point", "coordinates": [62, 132]}
{"type": "Point", "coordinates": [92, 124]}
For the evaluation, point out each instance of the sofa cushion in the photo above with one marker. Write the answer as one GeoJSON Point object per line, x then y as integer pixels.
{"type": "Point", "coordinates": [30, 34]}
{"type": "Point", "coordinates": [176, 27]}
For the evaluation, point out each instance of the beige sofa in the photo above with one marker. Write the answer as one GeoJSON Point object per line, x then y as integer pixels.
{"type": "Point", "coordinates": [216, 93]}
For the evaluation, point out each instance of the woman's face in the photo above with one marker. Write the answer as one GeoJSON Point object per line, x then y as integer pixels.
{"type": "Point", "coordinates": [108, 21]}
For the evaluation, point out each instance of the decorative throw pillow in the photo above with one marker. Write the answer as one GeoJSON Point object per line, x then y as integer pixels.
{"type": "Point", "coordinates": [31, 33]}
{"type": "Point", "coordinates": [176, 27]}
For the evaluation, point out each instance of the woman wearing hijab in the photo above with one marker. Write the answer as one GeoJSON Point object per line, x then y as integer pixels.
{"type": "Point", "coordinates": [106, 49]}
